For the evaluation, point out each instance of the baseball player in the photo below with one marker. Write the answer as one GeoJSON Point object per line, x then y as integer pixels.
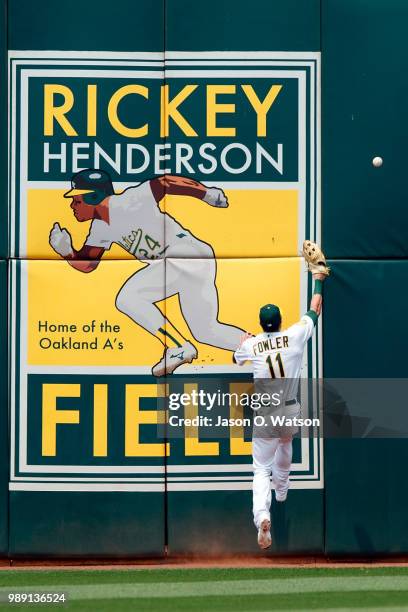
{"type": "Point", "coordinates": [134, 221]}
{"type": "Point", "coordinates": [277, 355]}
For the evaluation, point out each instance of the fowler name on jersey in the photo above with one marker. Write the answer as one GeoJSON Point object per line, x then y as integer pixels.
{"type": "Point", "coordinates": [277, 354]}
{"type": "Point", "coordinates": [271, 344]}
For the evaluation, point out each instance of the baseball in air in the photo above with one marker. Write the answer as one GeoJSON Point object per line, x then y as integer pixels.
{"type": "Point", "coordinates": [377, 162]}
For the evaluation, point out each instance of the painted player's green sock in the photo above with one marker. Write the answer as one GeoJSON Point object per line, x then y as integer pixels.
{"type": "Point", "coordinates": [169, 335]}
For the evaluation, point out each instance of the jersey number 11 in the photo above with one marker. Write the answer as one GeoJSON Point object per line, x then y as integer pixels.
{"type": "Point", "coordinates": [278, 360]}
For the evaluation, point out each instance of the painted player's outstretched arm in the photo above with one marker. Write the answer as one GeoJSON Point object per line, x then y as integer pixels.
{"type": "Point", "coordinates": [84, 260]}
{"type": "Point", "coordinates": [179, 185]}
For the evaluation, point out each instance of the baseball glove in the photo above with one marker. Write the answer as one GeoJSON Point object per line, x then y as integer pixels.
{"type": "Point", "coordinates": [315, 259]}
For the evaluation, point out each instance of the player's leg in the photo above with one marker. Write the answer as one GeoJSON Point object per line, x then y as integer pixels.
{"type": "Point", "coordinates": [281, 467]}
{"type": "Point", "coordinates": [199, 303]}
{"type": "Point", "coordinates": [137, 299]}
{"type": "Point", "coordinates": [137, 296]}
{"type": "Point", "coordinates": [263, 451]}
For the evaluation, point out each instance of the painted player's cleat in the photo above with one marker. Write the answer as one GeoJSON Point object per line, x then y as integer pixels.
{"type": "Point", "coordinates": [264, 534]}
{"type": "Point", "coordinates": [173, 358]}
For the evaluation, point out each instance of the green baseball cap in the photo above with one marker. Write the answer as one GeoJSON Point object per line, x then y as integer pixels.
{"type": "Point", "coordinates": [270, 317]}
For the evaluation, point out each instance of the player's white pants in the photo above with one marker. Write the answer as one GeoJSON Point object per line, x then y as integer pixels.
{"type": "Point", "coordinates": [194, 280]}
{"type": "Point", "coordinates": [270, 456]}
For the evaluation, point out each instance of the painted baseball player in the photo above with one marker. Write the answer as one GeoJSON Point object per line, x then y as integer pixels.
{"type": "Point", "coordinates": [277, 355]}
{"type": "Point", "coordinates": [134, 221]}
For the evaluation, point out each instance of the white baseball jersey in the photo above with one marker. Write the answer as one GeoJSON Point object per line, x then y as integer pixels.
{"type": "Point", "coordinates": [278, 354]}
{"type": "Point", "coordinates": [136, 223]}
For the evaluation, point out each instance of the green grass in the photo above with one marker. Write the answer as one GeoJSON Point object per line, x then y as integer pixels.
{"type": "Point", "coordinates": [216, 590]}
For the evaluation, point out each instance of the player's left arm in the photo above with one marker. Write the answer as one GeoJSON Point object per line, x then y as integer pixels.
{"type": "Point", "coordinates": [180, 185]}
{"type": "Point", "coordinates": [317, 265]}
{"type": "Point", "coordinates": [316, 302]}
{"type": "Point", "coordinates": [303, 329]}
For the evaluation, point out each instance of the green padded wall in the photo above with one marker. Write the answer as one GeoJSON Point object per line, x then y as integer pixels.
{"type": "Point", "coordinates": [364, 100]}
{"type": "Point", "coordinates": [219, 25]}
{"type": "Point", "coordinates": [4, 436]}
{"type": "Point", "coordinates": [4, 444]}
{"type": "Point", "coordinates": [76, 523]}
{"type": "Point", "coordinates": [86, 524]}
{"type": "Point", "coordinates": [89, 26]}
{"type": "Point", "coordinates": [366, 491]}
{"type": "Point", "coordinates": [364, 220]}
{"type": "Point", "coordinates": [364, 53]}
{"type": "Point", "coordinates": [211, 520]}
{"type": "Point", "coordinates": [3, 131]}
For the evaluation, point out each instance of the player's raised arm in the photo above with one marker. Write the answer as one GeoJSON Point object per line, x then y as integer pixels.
{"type": "Point", "coordinates": [317, 297]}
{"type": "Point", "coordinates": [84, 260]}
{"type": "Point", "coordinates": [316, 263]}
{"type": "Point", "coordinates": [179, 185]}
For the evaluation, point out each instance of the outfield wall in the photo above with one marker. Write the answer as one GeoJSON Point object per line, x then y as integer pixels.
{"type": "Point", "coordinates": [364, 212]}
{"type": "Point", "coordinates": [85, 470]}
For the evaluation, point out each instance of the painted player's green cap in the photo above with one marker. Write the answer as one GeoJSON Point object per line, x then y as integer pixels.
{"type": "Point", "coordinates": [92, 181]}
{"type": "Point", "coordinates": [270, 317]}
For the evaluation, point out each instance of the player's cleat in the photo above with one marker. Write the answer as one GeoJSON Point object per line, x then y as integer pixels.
{"type": "Point", "coordinates": [173, 358]}
{"type": "Point", "coordinates": [264, 534]}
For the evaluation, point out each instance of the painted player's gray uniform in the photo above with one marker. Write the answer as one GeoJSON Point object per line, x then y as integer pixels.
{"type": "Point", "coordinates": [137, 224]}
